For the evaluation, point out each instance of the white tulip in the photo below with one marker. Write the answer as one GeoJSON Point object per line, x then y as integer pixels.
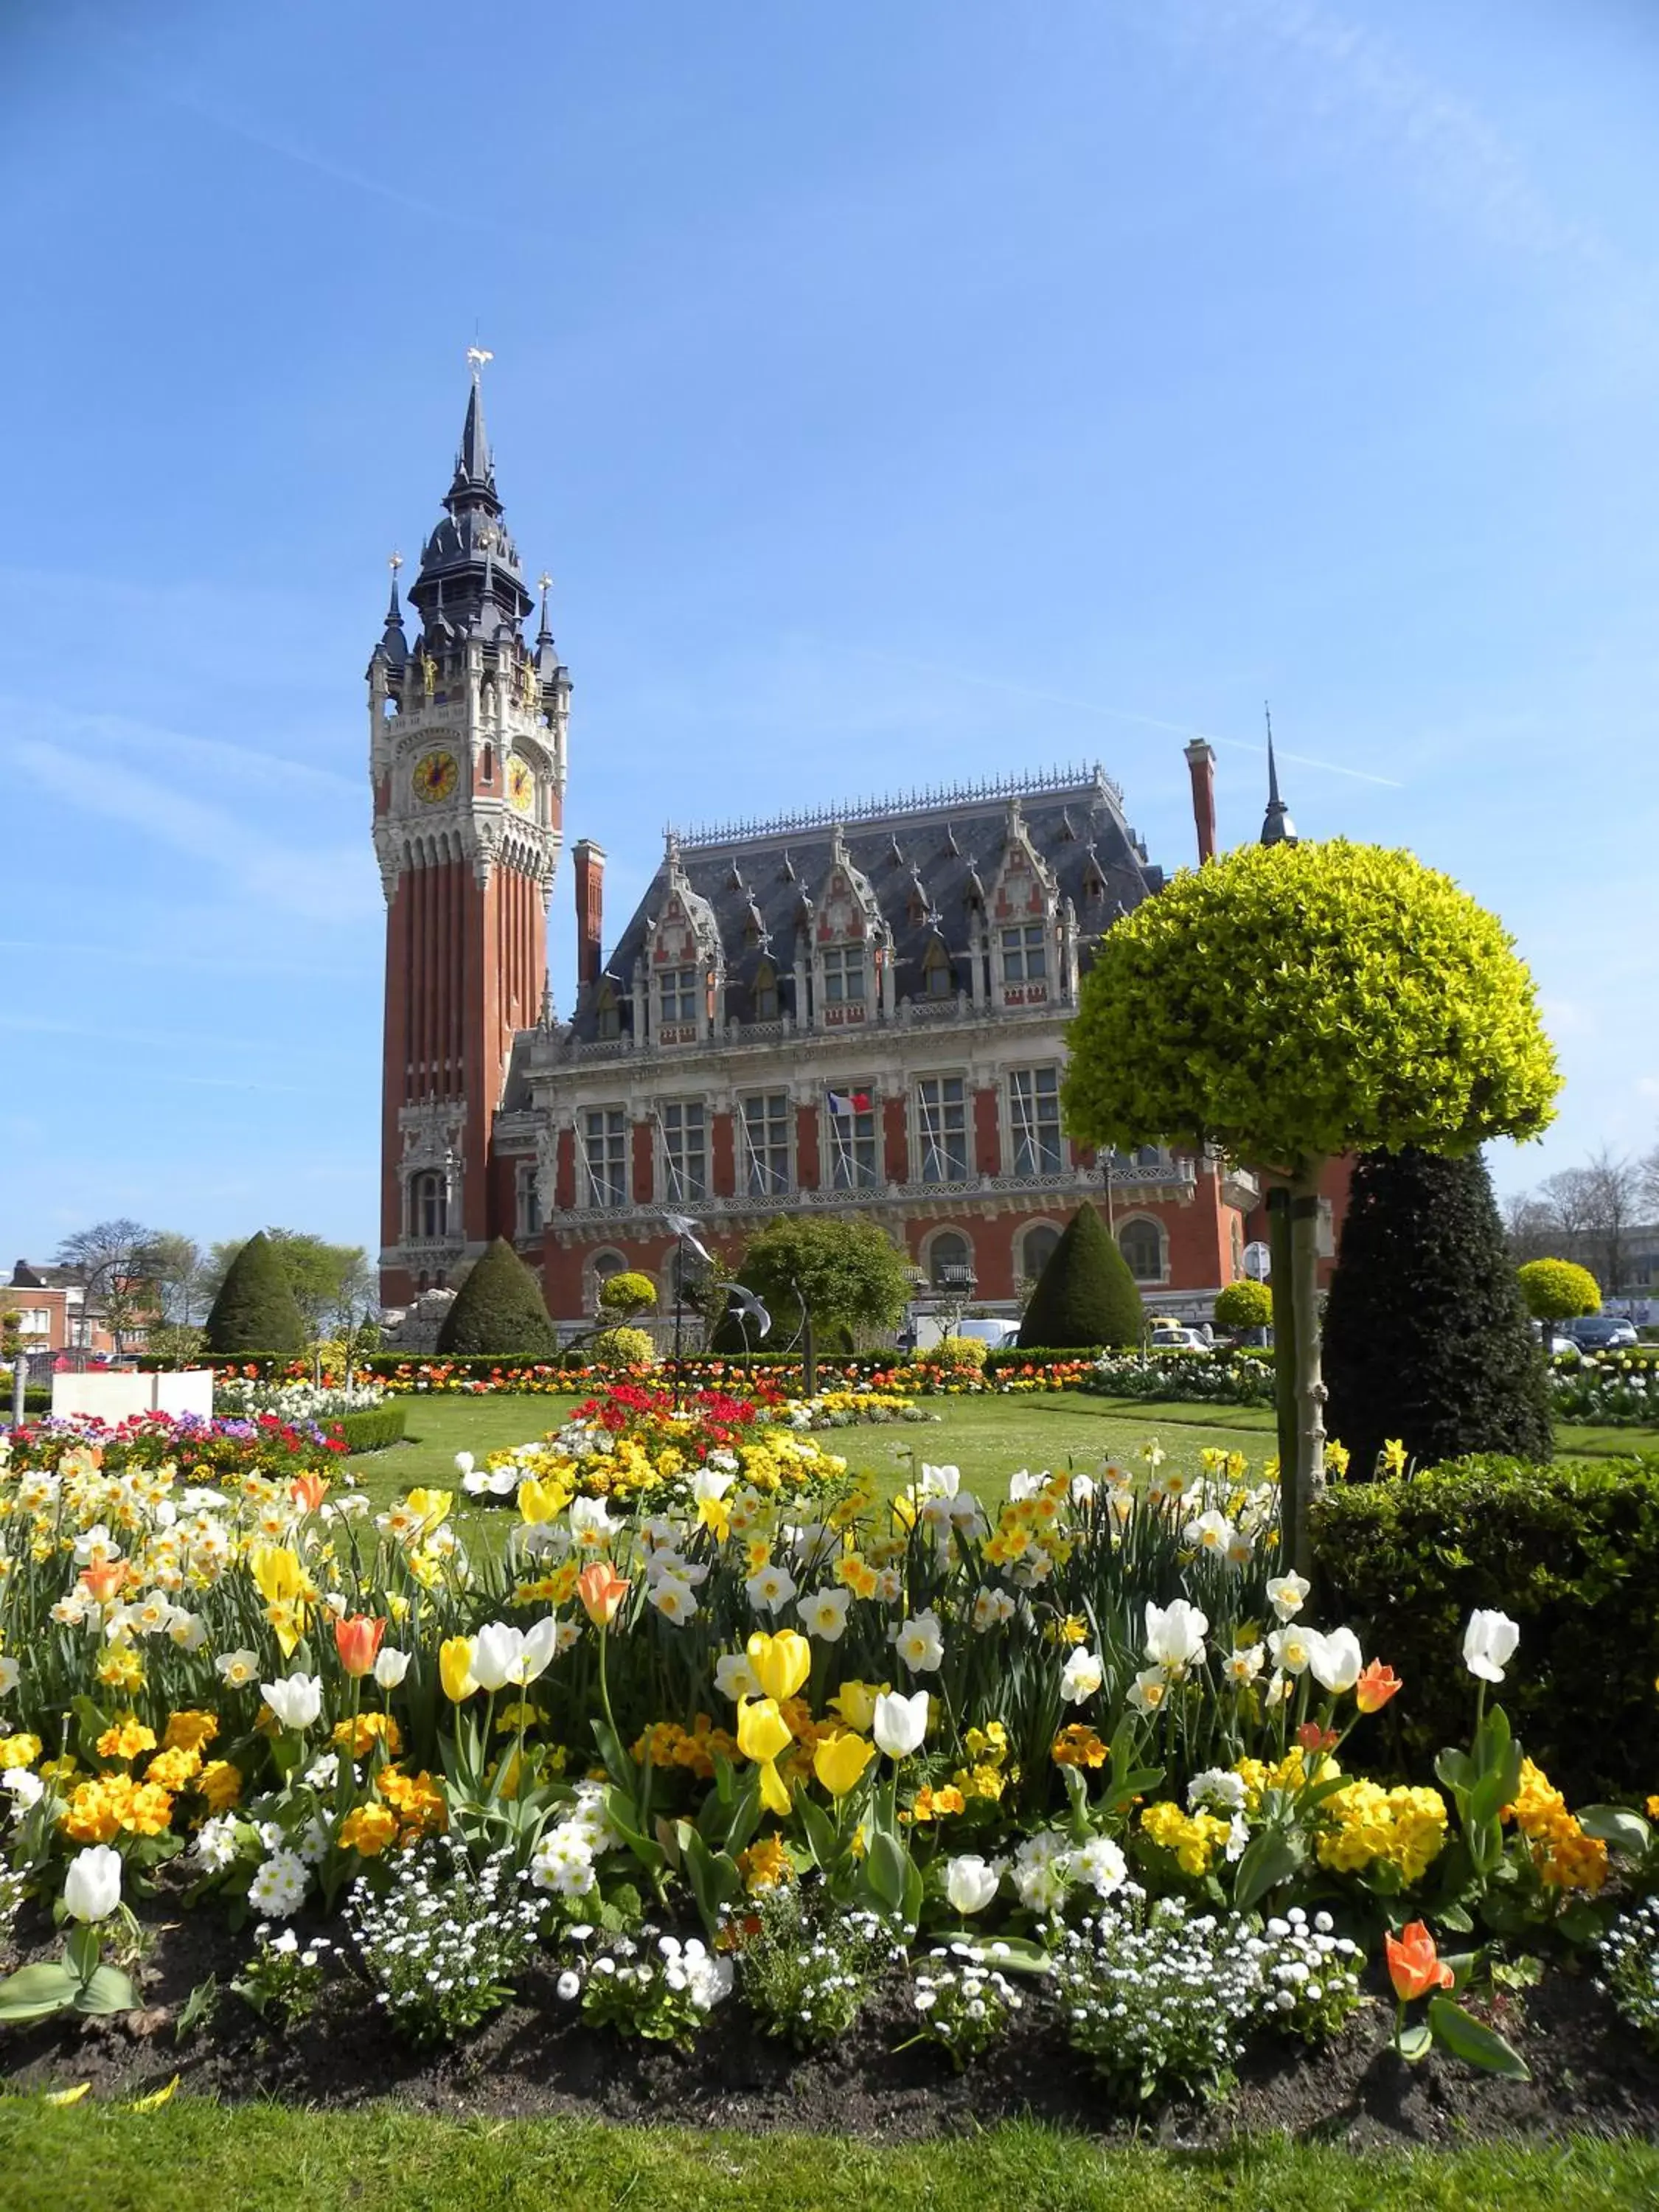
{"type": "Point", "coordinates": [8, 1672]}
{"type": "Point", "coordinates": [970, 1883]}
{"type": "Point", "coordinates": [92, 1888]}
{"type": "Point", "coordinates": [1335, 1659]}
{"type": "Point", "coordinates": [464, 1463]}
{"type": "Point", "coordinates": [1489, 1645]}
{"type": "Point", "coordinates": [1174, 1635]}
{"type": "Point", "coordinates": [901, 1723]}
{"type": "Point", "coordinates": [295, 1701]}
{"type": "Point", "coordinates": [390, 1668]}
{"type": "Point", "coordinates": [1080, 1677]}
{"type": "Point", "coordinates": [502, 1653]}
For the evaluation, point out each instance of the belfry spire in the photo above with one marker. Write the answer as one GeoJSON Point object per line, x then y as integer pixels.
{"type": "Point", "coordinates": [1277, 827]}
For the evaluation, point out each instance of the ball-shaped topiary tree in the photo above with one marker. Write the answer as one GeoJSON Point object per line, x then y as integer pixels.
{"type": "Point", "coordinates": [499, 1311]}
{"type": "Point", "coordinates": [1085, 1294]}
{"type": "Point", "coordinates": [1427, 1335]}
{"type": "Point", "coordinates": [828, 1275]}
{"type": "Point", "coordinates": [629, 1292]}
{"type": "Point", "coordinates": [1559, 1290]}
{"type": "Point", "coordinates": [1244, 1305]}
{"type": "Point", "coordinates": [1291, 1003]}
{"type": "Point", "coordinates": [256, 1310]}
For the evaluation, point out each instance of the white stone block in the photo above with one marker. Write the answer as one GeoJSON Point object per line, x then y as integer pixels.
{"type": "Point", "coordinates": [116, 1395]}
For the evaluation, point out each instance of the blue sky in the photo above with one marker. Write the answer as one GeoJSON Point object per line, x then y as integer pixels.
{"type": "Point", "coordinates": [903, 390]}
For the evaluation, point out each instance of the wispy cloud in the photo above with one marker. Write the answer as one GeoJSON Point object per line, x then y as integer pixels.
{"type": "Point", "coordinates": [317, 884]}
{"type": "Point", "coordinates": [183, 962]}
{"type": "Point", "coordinates": [62, 726]}
{"type": "Point", "coordinates": [1335, 84]}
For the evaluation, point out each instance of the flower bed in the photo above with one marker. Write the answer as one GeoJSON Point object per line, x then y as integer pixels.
{"type": "Point", "coordinates": [1615, 1390]}
{"type": "Point", "coordinates": [195, 1450]}
{"type": "Point", "coordinates": [715, 1722]}
{"type": "Point", "coordinates": [294, 1402]}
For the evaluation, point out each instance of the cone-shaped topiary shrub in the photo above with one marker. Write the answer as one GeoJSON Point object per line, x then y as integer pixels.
{"type": "Point", "coordinates": [1085, 1295]}
{"type": "Point", "coordinates": [1426, 1333]}
{"type": "Point", "coordinates": [256, 1310]}
{"type": "Point", "coordinates": [499, 1311]}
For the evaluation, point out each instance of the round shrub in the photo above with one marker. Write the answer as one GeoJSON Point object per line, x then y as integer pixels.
{"type": "Point", "coordinates": [1559, 1290]}
{"type": "Point", "coordinates": [630, 1292]}
{"type": "Point", "coordinates": [959, 1351]}
{"type": "Point", "coordinates": [1244, 1305]}
{"type": "Point", "coordinates": [625, 1347]}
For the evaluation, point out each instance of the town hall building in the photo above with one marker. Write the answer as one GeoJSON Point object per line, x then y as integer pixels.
{"type": "Point", "coordinates": [859, 1009]}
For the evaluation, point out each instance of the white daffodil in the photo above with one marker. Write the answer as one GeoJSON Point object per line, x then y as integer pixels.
{"type": "Point", "coordinates": [1080, 1677]}
{"type": "Point", "coordinates": [823, 1614]}
{"type": "Point", "coordinates": [922, 1643]}
{"type": "Point", "coordinates": [735, 1678]}
{"type": "Point", "coordinates": [1291, 1648]}
{"type": "Point", "coordinates": [674, 1599]}
{"type": "Point", "coordinates": [771, 1590]}
{"type": "Point", "coordinates": [1285, 1594]}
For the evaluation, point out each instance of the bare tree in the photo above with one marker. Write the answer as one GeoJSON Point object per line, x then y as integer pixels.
{"type": "Point", "coordinates": [1530, 1227]}
{"type": "Point", "coordinates": [1566, 1197]}
{"type": "Point", "coordinates": [114, 1262]}
{"type": "Point", "coordinates": [1612, 1198]}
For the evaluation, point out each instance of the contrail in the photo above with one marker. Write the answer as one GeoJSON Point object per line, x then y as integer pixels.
{"type": "Point", "coordinates": [1119, 714]}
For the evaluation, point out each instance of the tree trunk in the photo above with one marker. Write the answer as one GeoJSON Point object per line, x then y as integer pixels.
{"type": "Point", "coordinates": [1310, 1382]}
{"type": "Point", "coordinates": [1282, 1285]}
{"type": "Point", "coordinates": [808, 1357]}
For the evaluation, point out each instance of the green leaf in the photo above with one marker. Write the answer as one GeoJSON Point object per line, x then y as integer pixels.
{"type": "Point", "coordinates": [1009, 1954]}
{"type": "Point", "coordinates": [36, 1992]}
{"type": "Point", "coordinates": [1473, 2042]}
{"type": "Point", "coordinates": [885, 1869]}
{"type": "Point", "coordinates": [1414, 2042]}
{"type": "Point", "coordinates": [821, 1837]}
{"type": "Point", "coordinates": [1618, 1829]}
{"type": "Point", "coordinates": [109, 1990]}
{"type": "Point", "coordinates": [1270, 1856]}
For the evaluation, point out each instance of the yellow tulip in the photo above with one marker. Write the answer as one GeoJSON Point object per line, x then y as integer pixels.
{"type": "Point", "coordinates": [276, 1571]}
{"type": "Point", "coordinates": [839, 1761]}
{"type": "Point", "coordinates": [781, 1663]}
{"type": "Point", "coordinates": [541, 1501]}
{"type": "Point", "coordinates": [774, 1790]}
{"type": "Point", "coordinates": [856, 1703]}
{"type": "Point", "coordinates": [763, 1732]}
{"type": "Point", "coordinates": [455, 1667]}
{"type": "Point", "coordinates": [432, 1506]}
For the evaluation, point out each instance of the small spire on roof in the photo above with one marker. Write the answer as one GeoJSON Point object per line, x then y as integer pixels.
{"type": "Point", "coordinates": [1277, 827]}
{"type": "Point", "coordinates": [953, 851]}
{"type": "Point", "coordinates": [543, 585]}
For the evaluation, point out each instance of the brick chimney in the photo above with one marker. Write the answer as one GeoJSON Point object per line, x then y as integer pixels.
{"type": "Point", "coordinates": [589, 859]}
{"type": "Point", "coordinates": [1200, 762]}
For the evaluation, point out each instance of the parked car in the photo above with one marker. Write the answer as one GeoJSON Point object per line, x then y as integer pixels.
{"type": "Point", "coordinates": [1176, 1336]}
{"type": "Point", "coordinates": [1602, 1332]}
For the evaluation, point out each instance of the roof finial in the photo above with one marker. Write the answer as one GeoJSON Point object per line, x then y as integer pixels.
{"type": "Point", "coordinates": [543, 585]}
{"type": "Point", "coordinates": [476, 355]}
{"type": "Point", "coordinates": [1276, 828]}
{"type": "Point", "coordinates": [474, 459]}
{"type": "Point", "coordinates": [394, 613]}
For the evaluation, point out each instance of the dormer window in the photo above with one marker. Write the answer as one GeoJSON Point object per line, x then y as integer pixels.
{"type": "Point", "coordinates": [766, 993]}
{"type": "Point", "coordinates": [936, 974]}
{"type": "Point", "coordinates": [677, 989]}
{"type": "Point", "coordinates": [843, 975]}
{"type": "Point", "coordinates": [607, 1012]}
{"type": "Point", "coordinates": [1024, 953]}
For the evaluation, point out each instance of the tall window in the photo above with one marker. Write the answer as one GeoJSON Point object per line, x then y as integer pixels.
{"type": "Point", "coordinates": [1034, 1117]}
{"type": "Point", "coordinates": [608, 1012]}
{"type": "Point", "coordinates": [685, 1151]}
{"type": "Point", "coordinates": [1142, 1243]}
{"type": "Point", "coordinates": [604, 1146]}
{"type": "Point", "coordinates": [936, 971]}
{"type": "Point", "coordinates": [942, 1128]}
{"type": "Point", "coordinates": [1038, 1249]}
{"type": "Point", "coordinates": [763, 1133]}
{"type": "Point", "coordinates": [1024, 953]}
{"type": "Point", "coordinates": [950, 1262]}
{"type": "Point", "coordinates": [529, 1200]}
{"type": "Point", "coordinates": [429, 1206]}
{"type": "Point", "coordinates": [677, 994]}
{"type": "Point", "coordinates": [843, 975]}
{"type": "Point", "coordinates": [851, 1132]}
{"type": "Point", "coordinates": [766, 993]}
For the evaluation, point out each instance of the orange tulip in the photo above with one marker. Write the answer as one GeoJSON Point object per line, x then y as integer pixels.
{"type": "Point", "coordinates": [1414, 1966]}
{"type": "Point", "coordinates": [101, 1580]}
{"type": "Point", "coordinates": [1376, 1686]}
{"type": "Point", "coordinates": [601, 1591]}
{"type": "Point", "coordinates": [358, 1642]}
{"type": "Point", "coordinates": [308, 1490]}
{"type": "Point", "coordinates": [1312, 1737]}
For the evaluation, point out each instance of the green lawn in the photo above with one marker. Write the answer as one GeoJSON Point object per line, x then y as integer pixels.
{"type": "Point", "coordinates": [987, 1438]}
{"type": "Point", "coordinates": [194, 2156]}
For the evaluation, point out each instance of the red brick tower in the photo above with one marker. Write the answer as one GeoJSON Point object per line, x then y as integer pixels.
{"type": "Point", "coordinates": [467, 759]}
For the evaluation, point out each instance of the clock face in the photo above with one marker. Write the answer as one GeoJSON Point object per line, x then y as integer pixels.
{"type": "Point", "coordinates": [436, 777]}
{"type": "Point", "coordinates": [521, 785]}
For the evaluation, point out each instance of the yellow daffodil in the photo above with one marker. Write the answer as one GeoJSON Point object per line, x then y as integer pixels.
{"type": "Point", "coordinates": [542, 1501]}
{"type": "Point", "coordinates": [432, 1506]}
{"type": "Point", "coordinates": [839, 1761]}
{"type": "Point", "coordinates": [781, 1663]}
{"type": "Point", "coordinates": [455, 1667]}
{"type": "Point", "coordinates": [277, 1574]}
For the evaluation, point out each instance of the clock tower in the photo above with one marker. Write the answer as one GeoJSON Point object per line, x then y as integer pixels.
{"type": "Point", "coordinates": [467, 760]}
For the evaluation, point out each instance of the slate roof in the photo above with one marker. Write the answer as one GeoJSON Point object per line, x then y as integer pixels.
{"type": "Point", "coordinates": [927, 856]}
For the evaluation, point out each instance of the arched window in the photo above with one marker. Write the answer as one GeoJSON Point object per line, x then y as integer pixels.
{"type": "Point", "coordinates": [1142, 1243]}
{"type": "Point", "coordinates": [950, 1262]}
{"type": "Point", "coordinates": [428, 1207]}
{"type": "Point", "coordinates": [936, 976]}
{"type": "Point", "coordinates": [609, 1012]}
{"type": "Point", "coordinates": [1039, 1248]}
{"type": "Point", "coordinates": [766, 993]}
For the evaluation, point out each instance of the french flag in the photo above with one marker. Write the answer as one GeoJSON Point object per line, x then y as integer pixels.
{"type": "Point", "coordinates": [856, 1102]}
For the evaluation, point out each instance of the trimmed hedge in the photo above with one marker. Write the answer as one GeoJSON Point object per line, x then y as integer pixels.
{"type": "Point", "coordinates": [1571, 1553]}
{"type": "Point", "coordinates": [371, 1429]}
{"type": "Point", "coordinates": [256, 1303]}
